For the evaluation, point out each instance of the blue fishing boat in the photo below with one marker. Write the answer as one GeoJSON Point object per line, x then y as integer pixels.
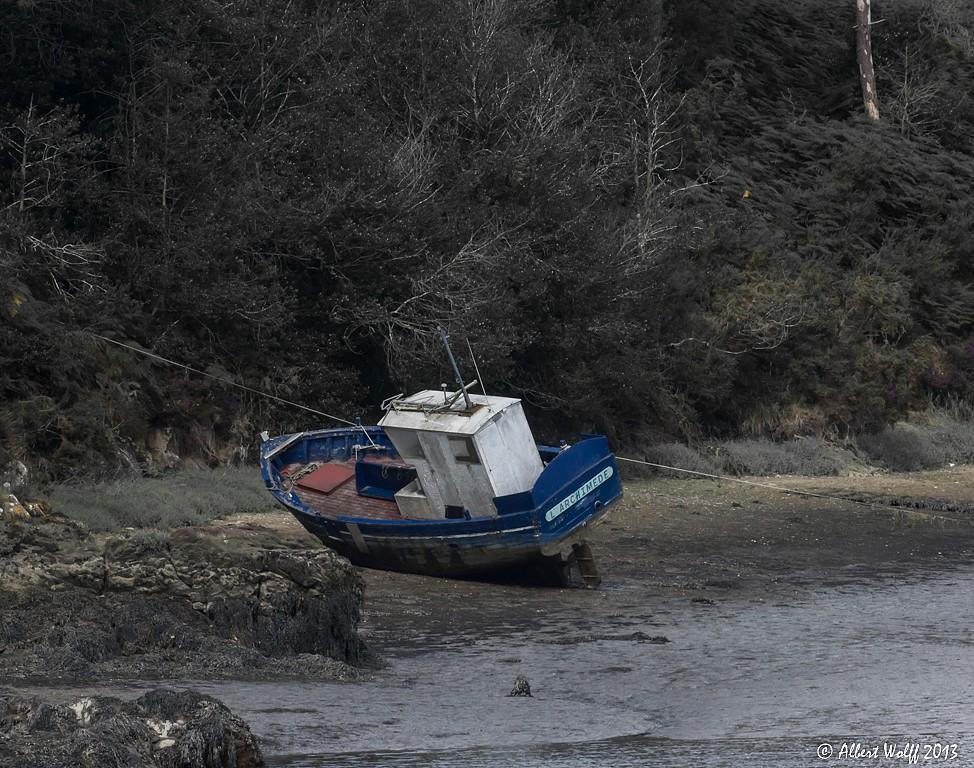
{"type": "Point", "coordinates": [448, 484]}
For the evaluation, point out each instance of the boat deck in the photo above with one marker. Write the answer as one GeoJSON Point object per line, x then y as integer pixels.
{"type": "Point", "coordinates": [344, 500]}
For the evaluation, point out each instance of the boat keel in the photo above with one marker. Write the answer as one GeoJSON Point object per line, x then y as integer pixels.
{"type": "Point", "coordinates": [576, 568]}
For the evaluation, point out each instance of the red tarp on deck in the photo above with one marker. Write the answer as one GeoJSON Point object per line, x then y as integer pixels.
{"type": "Point", "coordinates": [327, 477]}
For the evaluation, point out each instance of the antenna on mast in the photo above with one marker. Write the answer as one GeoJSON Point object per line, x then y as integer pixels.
{"type": "Point", "coordinates": [476, 369]}
{"type": "Point", "coordinates": [456, 370]}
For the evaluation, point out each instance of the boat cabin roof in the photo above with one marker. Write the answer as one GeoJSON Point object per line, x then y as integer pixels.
{"type": "Point", "coordinates": [427, 411]}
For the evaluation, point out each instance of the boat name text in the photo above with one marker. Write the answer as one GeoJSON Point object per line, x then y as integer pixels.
{"type": "Point", "coordinates": [578, 494]}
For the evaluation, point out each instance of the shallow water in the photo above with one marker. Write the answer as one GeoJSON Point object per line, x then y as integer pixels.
{"type": "Point", "coordinates": [743, 682]}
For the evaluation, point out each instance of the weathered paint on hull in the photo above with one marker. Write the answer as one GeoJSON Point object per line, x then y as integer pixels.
{"type": "Point", "coordinates": [451, 556]}
{"type": "Point", "coordinates": [533, 528]}
{"type": "Point", "coordinates": [443, 557]}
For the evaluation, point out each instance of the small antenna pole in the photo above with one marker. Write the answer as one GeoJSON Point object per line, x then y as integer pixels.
{"type": "Point", "coordinates": [476, 369]}
{"type": "Point", "coordinates": [456, 369]}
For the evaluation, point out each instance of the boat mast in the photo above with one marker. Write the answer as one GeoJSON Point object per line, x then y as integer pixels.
{"type": "Point", "coordinates": [456, 369]}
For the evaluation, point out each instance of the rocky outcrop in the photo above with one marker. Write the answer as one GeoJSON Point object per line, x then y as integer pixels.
{"type": "Point", "coordinates": [11, 508]}
{"type": "Point", "coordinates": [13, 477]}
{"type": "Point", "coordinates": [206, 601]}
{"type": "Point", "coordinates": [162, 729]}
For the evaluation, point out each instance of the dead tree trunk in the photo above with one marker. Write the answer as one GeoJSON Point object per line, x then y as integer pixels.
{"type": "Point", "coordinates": [864, 51]}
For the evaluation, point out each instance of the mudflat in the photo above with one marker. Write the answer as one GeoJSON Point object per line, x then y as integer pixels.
{"type": "Point", "coordinates": [697, 542]}
{"type": "Point", "coordinates": [736, 624]}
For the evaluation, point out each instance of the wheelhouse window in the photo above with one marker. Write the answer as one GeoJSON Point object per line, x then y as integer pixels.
{"type": "Point", "coordinates": [464, 450]}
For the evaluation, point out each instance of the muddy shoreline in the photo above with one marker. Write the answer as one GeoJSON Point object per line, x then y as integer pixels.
{"type": "Point", "coordinates": [694, 544]}
{"type": "Point", "coordinates": [683, 563]}
{"type": "Point", "coordinates": [258, 613]}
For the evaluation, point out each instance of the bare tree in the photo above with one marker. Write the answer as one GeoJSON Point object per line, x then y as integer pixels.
{"type": "Point", "coordinates": [864, 52]}
{"type": "Point", "coordinates": [491, 81]}
{"type": "Point", "coordinates": [651, 154]}
{"type": "Point", "coordinates": [41, 146]}
{"type": "Point", "coordinates": [48, 156]}
{"type": "Point", "coordinates": [551, 91]}
{"type": "Point", "coordinates": [653, 134]}
{"type": "Point", "coordinates": [915, 97]}
{"type": "Point", "coordinates": [441, 290]}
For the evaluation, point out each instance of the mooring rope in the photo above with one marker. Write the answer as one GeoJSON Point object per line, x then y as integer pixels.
{"type": "Point", "coordinates": [712, 476]}
{"type": "Point", "coordinates": [782, 489]}
{"type": "Point", "coordinates": [232, 383]}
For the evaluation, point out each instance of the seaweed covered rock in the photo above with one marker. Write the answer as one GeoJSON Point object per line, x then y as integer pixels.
{"type": "Point", "coordinates": [521, 687]}
{"type": "Point", "coordinates": [162, 729]}
{"type": "Point", "coordinates": [205, 601]}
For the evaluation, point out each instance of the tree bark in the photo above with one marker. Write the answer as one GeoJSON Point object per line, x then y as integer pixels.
{"type": "Point", "coordinates": [24, 165]}
{"type": "Point", "coordinates": [864, 51]}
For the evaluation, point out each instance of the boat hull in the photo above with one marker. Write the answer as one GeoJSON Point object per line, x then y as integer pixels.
{"type": "Point", "coordinates": [534, 529]}
{"type": "Point", "coordinates": [452, 555]}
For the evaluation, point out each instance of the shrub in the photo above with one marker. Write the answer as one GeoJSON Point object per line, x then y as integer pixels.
{"type": "Point", "coordinates": [951, 436]}
{"type": "Point", "coordinates": [801, 456]}
{"type": "Point", "coordinates": [901, 448]}
{"type": "Point", "coordinates": [679, 456]}
{"type": "Point", "coordinates": [756, 456]}
{"type": "Point", "coordinates": [939, 436]}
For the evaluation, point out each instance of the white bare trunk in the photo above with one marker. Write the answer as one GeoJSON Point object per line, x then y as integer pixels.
{"type": "Point", "coordinates": [864, 51]}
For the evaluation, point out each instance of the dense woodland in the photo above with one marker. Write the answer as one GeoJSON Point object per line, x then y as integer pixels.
{"type": "Point", "coordinates": [648, 218]}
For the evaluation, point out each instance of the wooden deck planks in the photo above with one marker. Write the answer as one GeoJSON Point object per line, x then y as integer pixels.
{"type": "Point", "coordinates": [344, 500]}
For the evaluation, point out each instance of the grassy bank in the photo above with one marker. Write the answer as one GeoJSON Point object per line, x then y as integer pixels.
{"type": "Point", "coordinates": [937, 437]}
{"type": "Point", "coordinates": [190, 497]}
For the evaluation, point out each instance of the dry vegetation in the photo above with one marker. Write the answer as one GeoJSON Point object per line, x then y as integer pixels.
{"type": "Point", "coordinates": [938, 437]}
{"type": "Point", "coordinates": [190, 497]}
